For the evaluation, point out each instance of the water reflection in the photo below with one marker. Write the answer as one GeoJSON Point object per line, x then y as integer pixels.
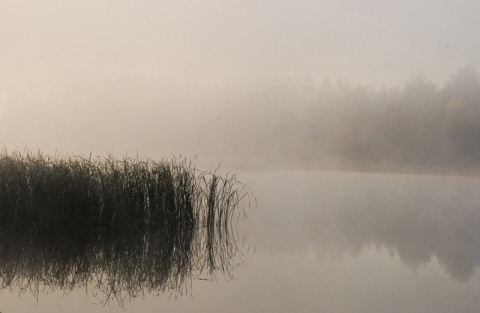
{"type": "Point", "coordinates": [416, 220]}
{"type": "Point", "coordinates": [115, 266]}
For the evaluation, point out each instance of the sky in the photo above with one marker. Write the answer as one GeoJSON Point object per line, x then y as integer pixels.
{"type": "Point", "coordinates": [65, 63]}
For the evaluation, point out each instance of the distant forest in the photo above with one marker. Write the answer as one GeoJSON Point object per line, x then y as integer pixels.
{"type": "Point", "coordinates": [419, 126]}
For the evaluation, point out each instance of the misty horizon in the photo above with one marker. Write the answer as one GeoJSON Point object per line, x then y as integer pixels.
{"type": "Point", "coordinates": [419, 126]}
{"type": "Point", "coordinates": [257, 85]}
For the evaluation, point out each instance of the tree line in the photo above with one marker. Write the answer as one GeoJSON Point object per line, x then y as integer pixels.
{"type": "Point", "coordinates": [419, 126]}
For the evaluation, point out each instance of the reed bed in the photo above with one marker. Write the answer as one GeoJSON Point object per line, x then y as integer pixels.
{"type": "Point", "coordinates": [53, 193]}
{"type": "Point", "coordinates": [172, 220]}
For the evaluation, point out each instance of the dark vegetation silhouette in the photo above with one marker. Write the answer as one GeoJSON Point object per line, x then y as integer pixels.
{"type": "Point", "coordinates": [123, 227]}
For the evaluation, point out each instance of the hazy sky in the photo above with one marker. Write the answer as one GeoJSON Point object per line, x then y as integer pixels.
{"type": "Point", "coordinates": [60, 55]}
{"type": "Point", "coordinates": [208, 42]}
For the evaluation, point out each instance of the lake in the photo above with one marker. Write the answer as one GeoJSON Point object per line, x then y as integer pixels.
{"type": "Point", "coordinates": [328, 242]}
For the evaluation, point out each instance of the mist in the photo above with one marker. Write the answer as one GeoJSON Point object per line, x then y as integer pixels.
{"type": "Point", "coordinates": [419, 126]}
{"type": "Point", "coordinates": [342, 85]}
{"type": "Point", "coordinates": [353, 127]}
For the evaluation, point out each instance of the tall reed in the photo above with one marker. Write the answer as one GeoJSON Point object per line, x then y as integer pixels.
{"type": "Point", "coordinates": [191, 211]}
{"type": "Point", "coordinates": [53, 193]}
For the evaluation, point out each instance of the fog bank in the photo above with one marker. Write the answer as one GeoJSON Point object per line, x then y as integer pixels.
{"type": "Point", "coordinates": [282, 123]}
{"type": "Point", "coordinates": [417, 127]}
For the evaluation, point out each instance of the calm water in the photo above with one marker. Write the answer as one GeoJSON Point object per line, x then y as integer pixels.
{"type": "Point", "coordinates": [329, 242]}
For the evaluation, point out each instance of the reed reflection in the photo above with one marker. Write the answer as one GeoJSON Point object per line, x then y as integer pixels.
{"type": "Point", "coordinates": [117, 267]}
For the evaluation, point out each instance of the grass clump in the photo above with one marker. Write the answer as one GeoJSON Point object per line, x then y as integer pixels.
{"type": "Point", "coordinates": [52, 193]}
